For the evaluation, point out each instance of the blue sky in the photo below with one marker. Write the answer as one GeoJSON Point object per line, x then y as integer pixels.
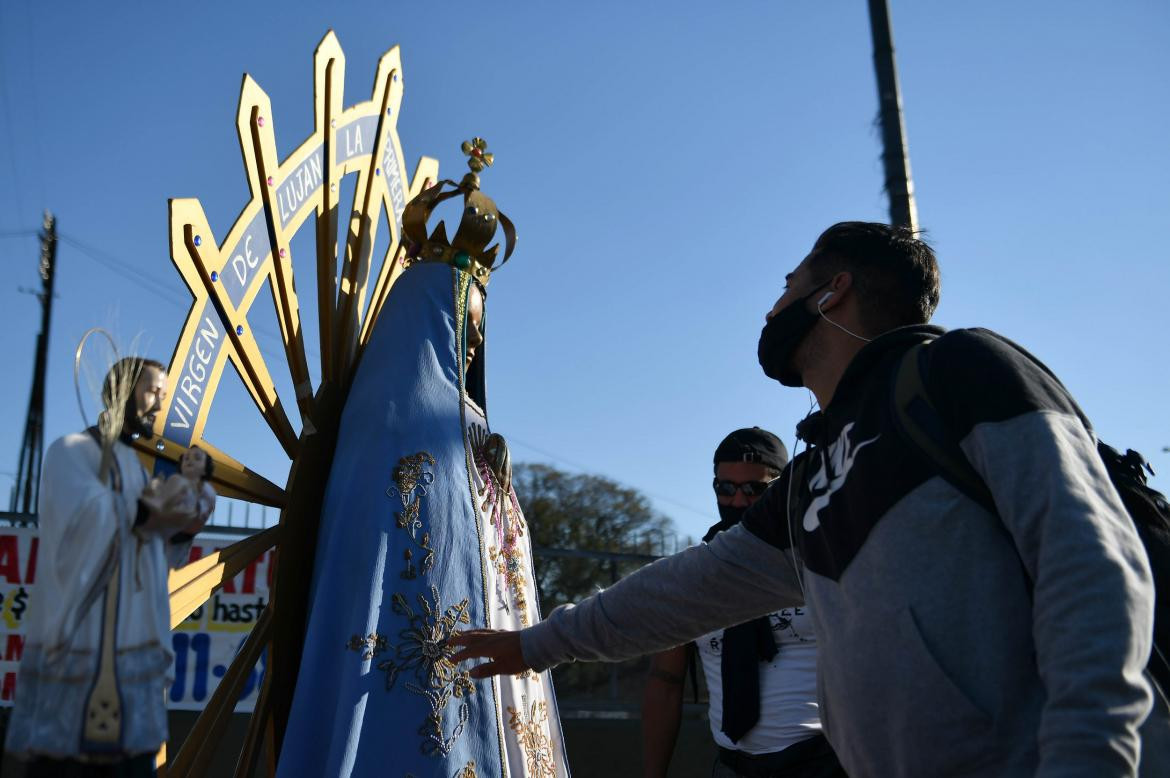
{"type": "Point", "coordinates": [665, 165]}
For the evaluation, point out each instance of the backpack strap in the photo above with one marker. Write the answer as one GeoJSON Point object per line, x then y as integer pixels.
{"type": "Point", "coordinates": [922, 427]}
{"type": "Point", "coordinates": [920, 424]}
{"type": "Point", "coordinates": [924, 430]}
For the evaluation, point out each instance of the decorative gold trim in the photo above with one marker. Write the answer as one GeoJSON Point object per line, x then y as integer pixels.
{"type": "Point", "coordinates": [103, 707]}
{"type": "Point", "coordinates": [462, 286]}
{"type": "Point", "coordinates": [225, 280]}
{"type": "Point", "coordinates": [411, 480]}
{"type": "Point", "coordinates": [370, 646]}
{"type": "Point", "coordinates": [531, 728]}
{"type": "Point", "coordinates": [423, 651]}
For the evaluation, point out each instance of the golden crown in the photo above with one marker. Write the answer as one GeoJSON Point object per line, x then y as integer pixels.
{"type": "Point", "coordinates": [467, 251]}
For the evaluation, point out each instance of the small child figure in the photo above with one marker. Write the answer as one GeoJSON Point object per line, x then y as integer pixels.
{"type": "Point", "coordinates": [196, 467]}
{"type": "Point", "coordinates": [191, 488]}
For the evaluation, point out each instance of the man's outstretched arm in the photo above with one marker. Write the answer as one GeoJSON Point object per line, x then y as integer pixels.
{"type": "Point", "coordinates": [734, 578]}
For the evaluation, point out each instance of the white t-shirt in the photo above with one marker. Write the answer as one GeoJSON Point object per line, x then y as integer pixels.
{"type": "Point", "coordinates": [788, 686]}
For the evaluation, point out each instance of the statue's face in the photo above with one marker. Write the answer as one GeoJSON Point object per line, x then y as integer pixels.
{"type": "Point", "coordinates": [474, 322]}
{"type": "Point", "coordinates": [193, 463]}
{"type": "Point", "coordinates": [149, 393]}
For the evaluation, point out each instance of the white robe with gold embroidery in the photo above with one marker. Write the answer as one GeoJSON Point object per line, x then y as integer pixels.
{"type": "Point", "coordinates": [533, 742]}
{"type": "Point", "coordinates": [86, 538]}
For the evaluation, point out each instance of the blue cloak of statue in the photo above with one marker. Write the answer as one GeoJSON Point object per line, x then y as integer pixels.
{"type": "Point", "coordinates": [418, 539]}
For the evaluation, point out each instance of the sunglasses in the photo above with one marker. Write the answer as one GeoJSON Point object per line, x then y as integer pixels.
{"type": "Point", "coordinates": [749, 488]}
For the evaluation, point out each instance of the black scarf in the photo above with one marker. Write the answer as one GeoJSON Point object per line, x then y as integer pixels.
{"type": "Point", "coordinates": [745, 646]}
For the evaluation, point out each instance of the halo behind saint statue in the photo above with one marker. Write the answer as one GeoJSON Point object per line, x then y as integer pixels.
{"type": "Point", "coordinates": [111, 379]}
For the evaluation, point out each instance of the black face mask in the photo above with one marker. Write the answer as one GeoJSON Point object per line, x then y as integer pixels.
{"type": "Point", "coordinates": [780, 337]}
{"type": "Point", "coordinates": [729, 516]}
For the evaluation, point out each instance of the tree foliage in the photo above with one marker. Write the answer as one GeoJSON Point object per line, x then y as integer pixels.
{"type": "Point", "coordinates": [568, 514]}
{"type": "Point", "coordinates": [575, 512]}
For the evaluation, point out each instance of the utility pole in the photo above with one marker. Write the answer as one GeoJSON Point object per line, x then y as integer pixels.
{"type": "Point", "coordinates": [26, 496]}
{"type": "Point", "coordinates": [895, 158]}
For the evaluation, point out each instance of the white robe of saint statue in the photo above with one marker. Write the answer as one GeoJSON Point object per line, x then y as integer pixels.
{"type": "Point", "coordinates": [82, 690]}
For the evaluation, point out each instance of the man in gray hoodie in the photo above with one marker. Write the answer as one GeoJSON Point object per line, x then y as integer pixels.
{"type": "Point", "coordinates": [953, 640]}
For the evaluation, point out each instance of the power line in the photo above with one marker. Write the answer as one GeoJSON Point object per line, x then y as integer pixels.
{"type": "Point", "coordinates": [159, 287]}
{"type": "Point", "coordinates": [124, 269]}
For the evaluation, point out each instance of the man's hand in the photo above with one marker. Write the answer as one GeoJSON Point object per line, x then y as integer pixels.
{"type": "Point", "coordinates": [500, 646]}
{"type": "Point", "coordinates": [169, 507]}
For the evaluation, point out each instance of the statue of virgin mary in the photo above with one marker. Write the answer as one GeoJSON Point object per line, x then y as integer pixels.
{"type": "Point", "coordinates": [421, 535]}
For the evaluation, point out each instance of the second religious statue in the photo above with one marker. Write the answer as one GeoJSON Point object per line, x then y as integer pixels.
{"type": "Point", "coordinates": [421, 536]}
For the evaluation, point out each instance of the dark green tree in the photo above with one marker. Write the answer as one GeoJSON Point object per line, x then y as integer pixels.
{"type": "Point", "coordinates": [569, 511]}
{"type": "Point", "coordinates": [589, 513]}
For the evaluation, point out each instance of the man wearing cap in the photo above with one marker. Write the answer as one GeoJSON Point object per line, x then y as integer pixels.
{"type": "Point", "coordinates": [761, 675]}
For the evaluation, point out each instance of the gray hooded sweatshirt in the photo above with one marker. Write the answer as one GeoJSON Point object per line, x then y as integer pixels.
{"type": "Point", "coordinates": [953, 641]}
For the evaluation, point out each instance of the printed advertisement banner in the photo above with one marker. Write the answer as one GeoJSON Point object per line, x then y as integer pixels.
{"type": "Point", "coordinates": [204, 643]}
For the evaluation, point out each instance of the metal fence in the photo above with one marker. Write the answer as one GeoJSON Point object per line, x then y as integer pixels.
{"type": "Point", "coordinates": [602, 690]}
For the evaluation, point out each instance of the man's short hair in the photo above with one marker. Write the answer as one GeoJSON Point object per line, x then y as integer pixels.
{"type": "Point", "coordinates": [894, 270]}
{"type": "Point", "coordinates": [125, 373]}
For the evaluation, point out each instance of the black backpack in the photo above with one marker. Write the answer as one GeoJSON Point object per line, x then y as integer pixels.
{"type": "Point", "coordinates": [920, 424]}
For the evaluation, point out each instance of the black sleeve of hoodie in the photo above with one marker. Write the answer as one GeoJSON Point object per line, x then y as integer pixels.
{"type": "Point", "coordinates": [976, 376]}
{"type": "Point", "coordinates": [767, 517]}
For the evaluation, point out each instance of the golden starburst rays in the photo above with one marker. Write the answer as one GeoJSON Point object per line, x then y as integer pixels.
{"type": "Point", "coordinates": [225, 278]}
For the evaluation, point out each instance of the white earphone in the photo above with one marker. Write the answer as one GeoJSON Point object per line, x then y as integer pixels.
{"type": "Point", "coordinates": [821, 302]}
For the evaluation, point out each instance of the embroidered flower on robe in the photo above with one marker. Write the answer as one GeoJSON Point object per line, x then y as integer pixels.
{"type": "Point", "coordinates": [531, 728]}
{"type": "Point", "coordinates": [423, 653]}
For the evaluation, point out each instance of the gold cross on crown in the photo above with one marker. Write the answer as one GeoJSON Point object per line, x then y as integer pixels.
{"type": "Point", "coordinates": [478, 156]}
